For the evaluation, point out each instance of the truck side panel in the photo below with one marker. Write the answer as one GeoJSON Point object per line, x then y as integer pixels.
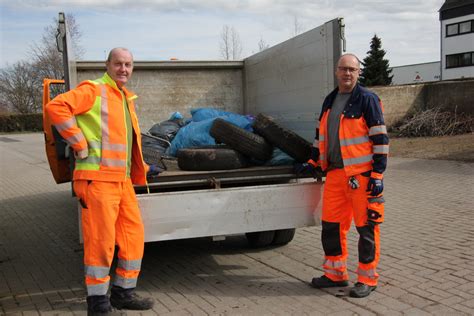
{"type": "Point", "coordinates": [289, 81]}
{"type": "Point", "coordinates": [190, 214]}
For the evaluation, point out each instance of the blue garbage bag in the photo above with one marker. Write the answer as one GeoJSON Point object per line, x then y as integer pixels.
{"type": "Point", "coordinates": [202, 114]}
{"type": "Point", "coordinates": [196, 134]}
{"type": "Point", "coordinates": [279, 158]}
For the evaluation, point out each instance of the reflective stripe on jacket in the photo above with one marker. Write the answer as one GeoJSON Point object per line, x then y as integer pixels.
{"type": "Point", "coordinates": [92, 117]}
{"type": "Point", "coordinates": [362, 134]}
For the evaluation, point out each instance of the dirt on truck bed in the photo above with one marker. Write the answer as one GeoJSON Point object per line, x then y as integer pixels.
{"type": "Point", "coordinates": [458, 147]}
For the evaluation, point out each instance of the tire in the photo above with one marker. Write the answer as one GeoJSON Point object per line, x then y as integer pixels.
{"type": "Point", "coordinates": [245, 142]}
{"type": "Point", "coordinates": [283, 236]}
{"type": "Point", "coordinates": [288, 141]}
{"type": "Point", "coordinates": [210, 158]}
{"type": "Point", "coordinates": [260, 239]}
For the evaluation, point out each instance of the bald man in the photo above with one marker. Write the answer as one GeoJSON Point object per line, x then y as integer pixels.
{"type": "Point", "coordinates": [351, 146]}
{"type": "Point", "coordinates": [99, 122]}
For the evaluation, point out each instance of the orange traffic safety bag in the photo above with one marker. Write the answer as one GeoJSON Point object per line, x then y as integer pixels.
{"type": "Point", "coordinates": [57, 150]}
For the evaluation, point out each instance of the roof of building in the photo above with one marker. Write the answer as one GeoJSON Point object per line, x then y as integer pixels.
{"type": "Point", "coordinates": [451, 4]}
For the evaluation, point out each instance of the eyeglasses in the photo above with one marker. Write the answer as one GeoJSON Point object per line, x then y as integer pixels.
{"type": "Point", "coordinates": [350, 69]}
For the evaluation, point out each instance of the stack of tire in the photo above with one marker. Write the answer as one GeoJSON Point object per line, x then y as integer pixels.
{"type": "Point", "coordinates": [239, 148]}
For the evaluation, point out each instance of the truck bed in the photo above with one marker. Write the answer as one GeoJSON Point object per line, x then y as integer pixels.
{"type": "Point", "coordinates": [175, 179]}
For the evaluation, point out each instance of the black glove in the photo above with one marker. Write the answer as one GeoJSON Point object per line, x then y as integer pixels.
{"type": "Point", "coordinates": [307, 168]}
{"type": "Point", "coordinates": [153, 171]}
{"type": "Point", "coordinates": [375, 186]}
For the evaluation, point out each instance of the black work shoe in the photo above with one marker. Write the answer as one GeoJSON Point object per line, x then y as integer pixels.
{"type": "Point", "coordinates": [121, 298]}
{"type": "Point", "coordinates": [324, 282]}
{"type": "Point", "coordinates": [361, 290]}
{"type": "Point", "coordinates": [98, 305]}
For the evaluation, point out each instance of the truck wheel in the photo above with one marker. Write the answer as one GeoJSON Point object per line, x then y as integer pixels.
{"type": "Point", "coordinates": [210, 158]}
{"type": "Point", "coordinates": [260, 239]}
{"type": "Point", "coordinates": [283, 236]}
{"type": "Point", "coordinates": [288, 141]}
{"type": "Point", "coordinates": [245, 142]}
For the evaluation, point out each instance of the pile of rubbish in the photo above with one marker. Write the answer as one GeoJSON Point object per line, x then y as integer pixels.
{"type": "Point", "coordinates": [213, 139]}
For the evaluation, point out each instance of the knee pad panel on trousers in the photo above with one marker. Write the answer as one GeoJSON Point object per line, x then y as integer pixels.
{"type": "Point", "coordinates": [366, 243]}
{"type": "Point", "coordinates": [330, 236]}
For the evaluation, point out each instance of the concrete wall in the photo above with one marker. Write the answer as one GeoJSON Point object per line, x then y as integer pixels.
{"type": "Point", "coordinates": [449, 95]}
{"type": "Point", "coordinates": [169, 86]}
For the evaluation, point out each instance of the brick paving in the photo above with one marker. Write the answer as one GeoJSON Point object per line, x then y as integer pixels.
{"type": "Point", "coordinates": [426, 264]}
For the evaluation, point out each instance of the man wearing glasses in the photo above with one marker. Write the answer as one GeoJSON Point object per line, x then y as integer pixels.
{"type": "Point", "coordinates": [351, 145]}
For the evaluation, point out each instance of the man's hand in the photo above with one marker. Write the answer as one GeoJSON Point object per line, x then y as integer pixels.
{"type": "Point", "coordinates": [82, 154]}
{"type": "Point", "coordinates": [307, 168]}
{"type": "Point", "coordinates": [375, 186]}
{"type": "Point", "coordinates": [153, 171]}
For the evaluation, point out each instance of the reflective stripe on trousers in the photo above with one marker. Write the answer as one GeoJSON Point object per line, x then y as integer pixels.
{"type": "Point", "coordinates": [335, 269]}
{"type": "Point", "coordinates": [127, 272]}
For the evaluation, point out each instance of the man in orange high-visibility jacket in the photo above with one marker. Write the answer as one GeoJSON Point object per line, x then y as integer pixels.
{"type": "Point", "coordinates": [351, 144]}
{"type": "Point", "coordinates": [99, 122]}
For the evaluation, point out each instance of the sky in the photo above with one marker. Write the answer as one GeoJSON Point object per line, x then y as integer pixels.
{"type": "Point", "coordinates": [190, 30]}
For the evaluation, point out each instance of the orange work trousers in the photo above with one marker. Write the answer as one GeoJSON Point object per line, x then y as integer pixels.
{"type": "Point", "coordinates": [341, 204]}
{"type": "Point", "coordinates": [110, 216]}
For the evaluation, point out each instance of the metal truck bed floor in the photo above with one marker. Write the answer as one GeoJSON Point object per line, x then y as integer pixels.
{"type": "Point", "coordinates": [186, 180]}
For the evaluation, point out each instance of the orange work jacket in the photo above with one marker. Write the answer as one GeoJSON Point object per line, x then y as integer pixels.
{"type": "Point", "coordinates": [362, 134]}
{"type": "Point", "coordinates": [92, 117]}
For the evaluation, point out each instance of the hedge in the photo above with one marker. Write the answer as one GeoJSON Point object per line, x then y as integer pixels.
{"type": "Point", "coordinates": [21, 122]}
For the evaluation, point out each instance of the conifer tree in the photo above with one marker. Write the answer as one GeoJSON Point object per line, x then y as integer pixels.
{"type": "Point", "coordinates": [376, 70]}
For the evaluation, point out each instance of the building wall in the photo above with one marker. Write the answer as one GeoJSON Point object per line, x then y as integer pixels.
{"type": "Point", "coordinates": [425, 72]}
{"type": "Point", "coordinates": [454, 45]}
{"type": "Point", "coordinates": [449, 95]}
{"type": "Point", "coordinates": [166, 87]}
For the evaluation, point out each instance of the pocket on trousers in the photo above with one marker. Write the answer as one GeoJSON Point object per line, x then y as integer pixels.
{"type": "Point", "coordinates": [80, 188]}
{"type": "Point", "coordinates": [375, 209]}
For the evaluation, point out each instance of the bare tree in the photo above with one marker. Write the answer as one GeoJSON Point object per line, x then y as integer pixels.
{"type": "Point", "coordinates": [224, 43]}
{"type": "Point", "coordinates": [262, 45]}
{"type": "Point", "coordinates": [19, 88]}
{"type": "Point", "coordinates": [3, 108]}
{"type": "Point", "coordinates": [230, 44]}
{"type": "Point", "coordinates": [21, 83]}
{"type": "Point", "coordinates": [236, 44]}
{"type": "Point", "coordinates": [45, 55]}
{"type": "Point", "coordinates": [297, 26]}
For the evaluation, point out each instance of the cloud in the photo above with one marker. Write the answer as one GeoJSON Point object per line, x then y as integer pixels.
{"type": "Point", "coordinates": [189, 29]}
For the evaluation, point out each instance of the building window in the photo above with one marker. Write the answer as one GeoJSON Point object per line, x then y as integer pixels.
{"type": "Point", "coordinates": [465, 27]}
{"type": "Point", "coordinates": [460, 28]}
{"type": "Point", "coordinates": [452, 29]}
{"type": "Point", "coordinates": [460, 60]}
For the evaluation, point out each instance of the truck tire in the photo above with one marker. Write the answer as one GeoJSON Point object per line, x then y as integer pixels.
{"type": "Point", "coordinates": [210, 158]}
{"type": "Point", "coordinates": [283, 236]}
{"type": "Point", "coordinates": [260, 239]}
{"type": "Point", "coordinates": [245, 142]}
{"type": "Point", "coordinates": [288, 141]}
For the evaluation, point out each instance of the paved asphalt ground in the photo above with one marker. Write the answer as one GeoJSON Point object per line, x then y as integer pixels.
{"type": "Point", "coordinates": [427, 263]}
